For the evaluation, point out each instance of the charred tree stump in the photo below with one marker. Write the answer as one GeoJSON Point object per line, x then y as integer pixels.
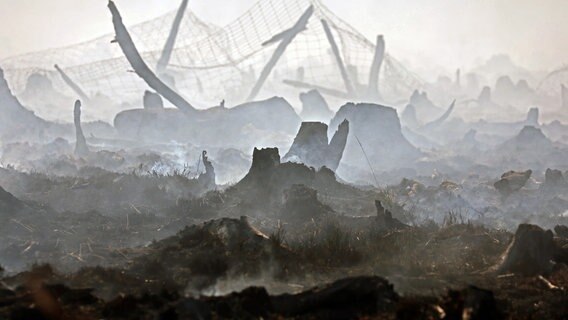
{"type": "Point", "coordinates": [561, 231]}
{"type": "Point", "coordinates": [81, 148]}
{"type": "Point", "coordinates": [153, 101]}
{"type": "Point", "coordinates": [337, 146]}
{"type": "Point", "coordinates": [530, 253]}
{"type": "Point", "coordinates": [386, 220]}
{"type": "Point", "coordinates": [207, 179]}
{"type": "Point", "coordinates": [311, 145]}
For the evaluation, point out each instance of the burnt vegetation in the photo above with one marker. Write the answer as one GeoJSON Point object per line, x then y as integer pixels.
{"type": "Point", "coordinates": [257, 211]}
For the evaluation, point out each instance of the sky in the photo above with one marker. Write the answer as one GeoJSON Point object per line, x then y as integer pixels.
{"type": "Point", "coordinates": [427, 34]}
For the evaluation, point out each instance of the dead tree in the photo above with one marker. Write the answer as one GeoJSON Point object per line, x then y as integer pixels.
{"type": "Point", "coordinates": [81, 148]}
{"type": "Point", "coordinates": [338, 59]}
{"type": "Point", "coordinates": [436, 123]}
{"type": "Point", "coordinates": [140, 67]}
{"type": "Point", "coordinates": [373, 89]}
{"type": "Point", "coordinates": [164, 60]}
{"type": "Point", "coordinates": [286, 37]}
{"type": "Point", "coordinates": [74, 86]}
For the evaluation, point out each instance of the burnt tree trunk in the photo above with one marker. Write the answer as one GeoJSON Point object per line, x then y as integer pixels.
{"type": "Point", "coordinates": [530, 253]}
{"type": "Point", "coordinates": [81, 148]}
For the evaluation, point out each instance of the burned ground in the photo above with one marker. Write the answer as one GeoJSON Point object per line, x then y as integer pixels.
{"type": "Point", "coordinates": [456, 209]}
{"type": "Point", "coordinates": [127, 266]}
{"type": "Point", "coordinates": [285, 241]}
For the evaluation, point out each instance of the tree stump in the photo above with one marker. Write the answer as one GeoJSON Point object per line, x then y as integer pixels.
{"type": "Point", "coordinates": [530, 253]}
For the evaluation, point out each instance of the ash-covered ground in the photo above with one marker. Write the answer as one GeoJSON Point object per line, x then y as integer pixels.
{"type": "Point", "coordinates": [336, 205]}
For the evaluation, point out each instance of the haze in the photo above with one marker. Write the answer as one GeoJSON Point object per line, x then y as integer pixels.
{"type": "Point", "coordinates": [282, 161]}
{"type": "Point", "coordinates": [429, 36]}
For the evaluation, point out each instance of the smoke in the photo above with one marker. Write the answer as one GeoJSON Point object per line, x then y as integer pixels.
{"type": "Point", "coordinates": [441, 34]}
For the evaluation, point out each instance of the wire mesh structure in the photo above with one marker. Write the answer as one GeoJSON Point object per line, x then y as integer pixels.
{"type": "Point", "coordinates": [552, 83]}
{"type": "Point", "coordinates": [210, 63]}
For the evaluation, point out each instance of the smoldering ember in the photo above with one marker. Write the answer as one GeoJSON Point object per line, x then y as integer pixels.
{"type": "Point", "coordinates": [282, 166]}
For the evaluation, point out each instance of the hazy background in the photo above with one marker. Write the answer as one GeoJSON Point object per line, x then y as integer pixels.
{"type": "Point", "coordinates": [427, 35]}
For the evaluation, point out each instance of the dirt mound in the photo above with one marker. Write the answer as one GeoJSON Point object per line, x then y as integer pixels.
{"type": "Point", "coordinates": [301, 204]}
{"type": "Point", "coordinates": [385, 219]}
{"type": "Point", "coordinates": [531, 147]}
{"type": "Point", "coordinates": [38, 295]}
{"type": "Point", "coordinates": [8, 203]}
{"type": "Point", "coordinates": [344, 299]}
{"type": "Point", "coordinates": [531, 136]}
{"type": "Point", "coordinates": [158, 281]}
{"type": "Point", "coordinates": [200, 255]}
{"type": "Point", "coordinates": [262, 188]}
